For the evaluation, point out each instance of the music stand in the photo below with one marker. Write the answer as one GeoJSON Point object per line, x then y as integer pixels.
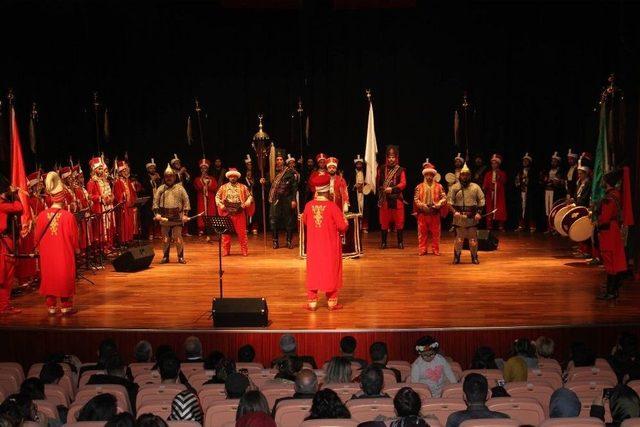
{"type": "Point", "coordinates": [219, 225]}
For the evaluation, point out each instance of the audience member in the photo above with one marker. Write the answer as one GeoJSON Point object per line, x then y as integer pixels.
{"type": "Point", "coordinates": [34, 388]}
{"type": "Point", "coordinates": [287, 368]}
{"type": "Point", "coordinates": [544, 347]}
{"type": "Point", "coordinates": [124, 419]}
{"type": "Point", "coordinates": [289, 347]}
{"type": "Point", "coordinates": [246, 354]}
{"type": "Point", "coordinates": [305, 387]}
{"type": "Point", "coordinates": [102, 407]}
{"type": "Point", "coordinates": [515, 370]}
{"type": "Point", "coordinates": [224, 368]}
{"type": "Point", "coordinates": [371, 384]}
{"type": "Point", "coordinates": [169, 368]}
{"type": "Point", "coordinates": [212, 360]}
{"type": "Point", "coordinates": [581, 355]}
{"type": "Point", "coordinates": [19, 408]}
{"type": "Point", "coordinates": [379, 358]}
{"type": "Point", "coordinates": [193, 349]}
{"type": "Point", "coordinates": [161, 351]}
{"type": "Point", "coordinates": [327, 405]}
{"type": "Point", "coordinates": [252, 401]}
{"type": "Point", "coordinates": [236, 385]}
{"type": "Point", "coordinates": [348, 349]}
{"type": "Point", "coordinates": [407, 404]}
{"type": "Point", "coordinates": [7, 421]}
{"type": "Point", "coordinates": [431, 368]}
{"type": "Point", "coordinates": [143, 352]}
{"type": "Point", "coordinates": [338, 371]}
{"type": "Point", "coordinates": [475, 389]}
{"type": "Point", "coordinates": [625, 358]}
{"type": "Point", "coordinates": [255, 419]}
{"type": "Point", "coordinates": [107, 349]}
{"type": "Point", "coordinates": [524, 348]}
{"type": "Point", "coordinates": [624, 403]}
{"type": "Point", "coordinates": [116, 374]}
{"type": "Point", "coordinates": [484, 358]}
{"type": "Point", "coordinates": [51, 373]}
{"type": "Point", "coordinates": [564, 403]}
{"type": "Point", "coordinates": [150, 420]}
{"type": "Point", "coordinates": [186, 407]}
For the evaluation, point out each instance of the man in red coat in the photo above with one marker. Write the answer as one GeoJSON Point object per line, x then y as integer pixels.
{"type": "Point", "coordinates": [392, 180]}
{"type": "Point", "coordinates": [206, 187]}
{"type": "Point", "coordinates": [338, 186]}
{"type": "Point", "coordinates": [324, 222]}
{"type": "Point", "coordinates": [125, 195]}
{"type": "Point", "coordinates": [27, 268]}
{"type": "Point", "coordinates": [494, 185]}
{"type": "Point", "coordinates": [101, 196]}
{"type": "Point", "coordinates": [428, 199]}
{"type": "Point", "coordinates": [610, 238]}
{"type": "Point", "coordinates": [57, 234]}
{"type": "Point", "coordinates": [9, 204]}
{"type": "Point", "coordinates": [235, 200]}
{"type": "Point", "coordinates": [84, 207]}
{"type": "Point", "coordinates": [321, 169]}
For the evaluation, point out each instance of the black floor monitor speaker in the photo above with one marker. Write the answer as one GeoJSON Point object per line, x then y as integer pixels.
{"type": "Point", "coordinates": [487, 241]}
{"type": "Point", "coordinates": [134, 259]}
{"type": "Point", "coordinates": [239, 312]}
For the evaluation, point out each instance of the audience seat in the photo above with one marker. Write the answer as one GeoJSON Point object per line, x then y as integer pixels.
{"type": "Point", "coordinates": [587, 391]}
{"type": "Point", "coordinates": [573, 422]}
{"type": "Point", "coordinates": [635, 385]}
{"type": "Point", "coordinates": [84, 378]}
{"type": "Point", "coordinates": [492, 375]}
{"type": "Point", "coordinates": [14, 368]}
{"type": "Point", "coordinates": [67, 382]}
{"type": "Point", "coordinates": [495, 422]}
{"type": "Point", "coordinates": [549, 364]}
{"type": "Point", "coordinates": [259, 378]}
{"type": "Point", "coordinates": [290, 413]}
{"type": "Point", "coordinates": [273, 392]}
{"type": "Point", "coordinates": [191, 368]}
{"type": "Point", "coordinates": [55, 393]}
{"type": "Point", "coordinates": [221, 413]}
{"type": "Point", "coordinates": [592, 374]}
{"type": "Point", "coordinates": [10, 382]}
{"type": "Point", "coordinates": [419, 388]}
{"type": "Point", "coordinates": [389, 377]}
{"type": "Point", "coordinates": [368, 409]}
{"type": "Point", "coordinates": [540, 392]}
{"type": "Point", "coordinates": [163, 410]}
{"type": "Point", "coordinates": [457, 369]}
{"type": "Point", "coordinates": [330, 423]}
{"type": "Point", "coordinates": [441, 408]}
{"type": "Point", "coordinates": [526, 410]}
{"type": "Point", "coordinates": [320, 374]}
{"type": "Point", "coordinates": [48, 409]}
{"type": "Point", "coordinates": [3, 393]}
{"type": "Point", "coordinates": [453, 391]}
{"type": "Point", "coordinates": [87, 392]}
{"type": "Point", "coordinates": [138, 368]}
{"type": "Point", "coordinates": [550, 375]}
{"type": "Point", "coordinates": [85, 424]}
{"type": "Point", "coordinates": [158, 393]}
{"type": "Point", "coordinates": [211, 393]}
{"type": "Point", "coordinates": [631, 422]}
{"type": "Point", "coordinates": [150, 377]}
{"type": "Point", "coordinates": [344, 390]}
{"type": "Point", "coordinates": [402, 366]}
{"type": "Point", "coordinates": [198, 379]}
{"type": "Point", "coordinates": [251, 367]}
{"type": "Point", "coordinates": [184, 424]}
{"type": "Point", "coordinates": [74, 410]}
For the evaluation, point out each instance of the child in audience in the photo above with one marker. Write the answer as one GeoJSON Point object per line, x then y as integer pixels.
{"type": "Point", "coordinates": [431, 368]}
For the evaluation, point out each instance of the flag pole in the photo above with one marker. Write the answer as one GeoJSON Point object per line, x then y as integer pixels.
{"type": "Point", "coordinates": [14, 217]}
{"type": "Point", "coordinates": [198, 109]}
{"type": "Point", "coordinates": [32, 132]}
{"type": "Point", "coordinates": [96, 108]}
{"type": "Point", "coordinates": [300, 111]}
{"type": "Point", "coordinates": [259, 144]}
{"type": "Point", "coordinates": [465, 115]}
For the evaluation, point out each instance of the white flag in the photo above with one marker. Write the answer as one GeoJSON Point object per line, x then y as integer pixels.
{"type": "Point", "coordinates": [370, 152]}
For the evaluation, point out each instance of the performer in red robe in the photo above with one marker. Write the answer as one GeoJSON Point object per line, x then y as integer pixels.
{"type": "Point", "coordinates": [27, 268]}
{"type": "Point", "coordinates": [324, 222]}
{"type": "Point", "coordinates": [610, 237]}
{"type": "Point", "coordinates": [57, 234]}
{"type": "Point", "coordinates": [9, 204]}
{"type": "Point", "coordinates": [338, 186]}
{"type": "Point", "coordinates": [392, 180]}
{"type": "Point", "coordinates": [206, 187]}
{"type": "Point", "coordinates": [84, 207]}
{"type": "Point", "coordinates": [494, 185]}
{"type": "Point", "coordinates": [234, 199]}
{"type": "Point", "coordinates": [124, 194]}
{"type": "Point", "coordinates": [321, 169]}
{"type": "Point", "coordinates": [99, 190]}
{"type": "Point", "coordinates": [428, 205]}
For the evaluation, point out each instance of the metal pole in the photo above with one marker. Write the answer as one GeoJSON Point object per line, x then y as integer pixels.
{"type": "Point", "coordinates": [96, 107]}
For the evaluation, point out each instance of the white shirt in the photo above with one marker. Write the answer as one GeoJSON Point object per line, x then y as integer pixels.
{"type": "Point", "coordinates": [435, 374]}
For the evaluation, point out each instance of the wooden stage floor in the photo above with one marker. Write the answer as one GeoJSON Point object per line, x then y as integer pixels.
{"type": "Point", "coordinates": [531, 281]}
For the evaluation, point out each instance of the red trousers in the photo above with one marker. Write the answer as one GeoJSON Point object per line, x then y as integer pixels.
{"type": "Point", "coordinates": [7, 272]}
{"type": "Point", "coordinates": [395, 216]}
{"type": "Point", "coordinates": [428, 226]}
{"type": "Point", "coordinates": [240, 224]}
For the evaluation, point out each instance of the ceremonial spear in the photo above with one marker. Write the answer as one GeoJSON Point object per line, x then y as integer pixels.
{"type": "Point", "coordinates": [260, 144]}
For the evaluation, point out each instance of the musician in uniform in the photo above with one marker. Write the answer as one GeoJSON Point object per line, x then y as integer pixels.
{"type": "Point", "coordinates": [479, 170]}
{"type": "Point", "coordinates": [233, 199]}
{"type": "Point", "coordinates": [392, 181]}
{"type": "Point", "coordinates": [320, 169]}
{"type": "Point", "coordinates": [292, 163]}
{"type": "Point", "coordinates": [494, 186]}
{"type": "Point", "coordinates": [458, 162]}
{"type": "Point", "coordinates": [338, 186]}
{"type": "Point", "coordinates": [70, 202]}
{"type": "Point", "coordinates": [466, 200]}
{"type": "Point", "coordinates": [554, 187]}
{"type": "Point", "coordinates": [428, 201]}
{"type": "Point", "coordinates": [359, 191]}
{"type": "Point", "coordinates": [84, 207]}
{"type": "Point", "coordinates": [526, 185]}
{"type": "Point", "coordinates": [219, 172]}
{"type": "Point", "coordinates": [282, 200]}
{"type": "Point", "coordinates": [171, 207]}
{"type": "Point", "coordinates": [572, 174]}
{"type": "Point", "coordinates": [9, 204]}
{"type": "Point", "coordinates": [150, 183]}
{"type": "Point", "coordinates": [26, 268]}
{"type": "Point", "coordinates": [182, 175]}
{"type": "Point", "coordinates": [583, 198]}
{"type": "Point", "coordinates": [206, 187]}
{"type": "Point", "coordinates": [101, 197]}
{"type": "Point", "coordinates": [125, 196]}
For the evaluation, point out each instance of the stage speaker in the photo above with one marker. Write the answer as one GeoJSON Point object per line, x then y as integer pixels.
{"type": "Point", "coordinates": [239, 312]}
{"type": "Point", "coordinates": [487, 241]}
{"type": "Point", "coordinates": [134, 259]}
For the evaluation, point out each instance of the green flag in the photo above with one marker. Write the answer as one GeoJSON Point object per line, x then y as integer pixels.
{"type": "Point", "coordinates": [601, 163]}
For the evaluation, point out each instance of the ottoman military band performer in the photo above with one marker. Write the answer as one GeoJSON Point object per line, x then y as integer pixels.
{"type": "Point", "coordinates": [392, 181]}
{"type": "Point", "coordinates": [234, 199]}
{"type": "Point", "coordinates": [171, 206]}
{"type": "Point", "coordinates": [428, 201]}
{"type": "Point", "coordinates": [282, 200]}
{"type": "Point", "coordinates": [466, 200]}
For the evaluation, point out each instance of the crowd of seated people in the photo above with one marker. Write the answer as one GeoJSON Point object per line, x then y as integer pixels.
{"type": "Point", "coordinates": [430, 378]}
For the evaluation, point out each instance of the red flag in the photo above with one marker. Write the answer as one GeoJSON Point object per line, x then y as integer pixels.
{"type": "Point", "coordinates": [18, 175]}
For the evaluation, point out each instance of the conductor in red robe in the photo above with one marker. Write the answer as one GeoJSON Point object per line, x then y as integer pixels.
{"type": "Point", "coordinates": [9, 204]}
{"type": "Point", "coordinates": [324, 222]}
{"type": "Point", "coordinates": [124, 194]}
{"type": "Point", "coordinates": [206, 187]}
{"type": "Point", "coordinates": [57, 243]}
{"type": "Point", "coordinates": [493, 187]}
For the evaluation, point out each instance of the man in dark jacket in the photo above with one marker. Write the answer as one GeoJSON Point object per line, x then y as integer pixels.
{"type": "Point", "coordinates": [116, 373]}
{"type": "Point", "coordinates": [476, 389]}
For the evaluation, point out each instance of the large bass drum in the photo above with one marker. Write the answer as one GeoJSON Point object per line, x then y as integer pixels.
{"type": "Point", "coordinates": [351, 240]}
{"type": "Point", "coordinates": [557, 219]}
{"type": "Point", "coordinates": [554, 209]}
{"type": "Point", "coordinates": [577, 224]}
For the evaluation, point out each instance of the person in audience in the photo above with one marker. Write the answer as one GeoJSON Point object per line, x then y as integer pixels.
{"type": "Point", "coordinates": [515, 370]}
{"type": "Point", "coordinates": [475, 389]}
{"type": "Point", "coordinates": [223, 369]}
{"type": "Point", "coordinates": [186, 407]}
{"type": "Point", "coordinates": [193, 349]}
{"type": "Point", "coordinates": [431, 368]}
{"type": "Point", "coordinates": [544, 347]}
{"type": "Point", "coordinates": [327, 405]}
{"type": "Point", "coordinates": [305, 387]}
{"type": "Point", "coordinates": [499, 391]}
{"type": "Point", "coordinates": [107, 349]}
{"type": "Point", "coordinates": [371, 384]}
{"type": "Point", "coordinates": [624, 403]}
{"type": "Point", "coordinates": [143, 352]}
{"type": "Point", "coordinates": [484, 358]}
{"type": "Point", "coordinates": [348, 349]}
{"type": "Point", "coordinates": [116, 373]}
{"type": "Point", "coordinates": [407, 404]}
{"type": "Point", "coordinates": [338, 371]}
{"type": "Point", "coordinates": [255, 419]}
{"type": "Point", "coordinates": [379, 358]}
{"type": "Point", "coordinates": [236, 385]}
{"type": "Point", "coordinates": [20, 408]}
{"type": "Point", "coordinates": [7, 421]}
{"type": "Point", "coordinates": [252, 401]}
{"type": "Point", "coordinates": [581, 355]}
{"type": "Point", "coordinates": [161, 351]}
{"type": "Point", "coordinates": [625, 358]}
{"type": "Point", "coordinates": [523, 348]}
{"type": "Point", "coordinates": [246, 354]}
{"type": "Point", "coordinates": [34, 388]}
{"type": "Point", "coordinates": [287, 368]}
{"type": "Point", "coordinates": [288, 346]}
{"type": "Point", "coordinates": [102, 407]}
{"type": "Point", "coordinates": [51, 373]}
{"type": "Point", "coordinates": [564, 403]}
{"type": "Point", "coordinates": [168, 365]}
{"type": "Point", "coordinates": [212, 360]}
{"type": "Point", "coordinates": [124, 419]}
{"type": "Point", "coordinates": [150, 420]}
